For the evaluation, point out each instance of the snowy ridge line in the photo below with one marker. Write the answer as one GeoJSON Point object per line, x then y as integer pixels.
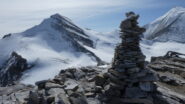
{"type": "Point", "coordinates": [169, 27]}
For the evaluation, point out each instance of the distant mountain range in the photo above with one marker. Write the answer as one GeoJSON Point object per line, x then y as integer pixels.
{"type": "Point", "coordinates": [57, 43]}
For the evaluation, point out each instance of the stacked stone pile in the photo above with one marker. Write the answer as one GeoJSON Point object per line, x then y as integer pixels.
{"type": "Point", "coordinates": [130, 82]}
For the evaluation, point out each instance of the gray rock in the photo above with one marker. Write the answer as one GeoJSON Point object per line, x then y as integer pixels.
{"type": "Point", "coordinates": [147, 86]}
{"type": "Point", "coordinates": [77, 98]}
{"type": "Point", "coordinates": [90, 94]}
{"type": "Point", "coordinates": [55, 91]}
{"type": "Point", "coordinates": [62, 99]}
{"type": "Point", "coordinates": [149, 78]}
{"type": "Point", "coordinates": [93, 101]}
{"type": "Point", "coordinates": [50, 85]}
{"type": "Point", "coordinates": [79, 74]}
{"type": "Point", "coordinates": [112, 91]}
{"type": "Point", "coordinates": [133, 70]}
{"type": "Point", "coordinates": [71, 85]}
{"type": "Point", "coordinates": [41, 84]}
{"type": "Point", "coordinates": [100, 80]}
{"type": "Point", "coordinates": [172, 80]}
{"type": "Point", "coordinates": [135, 92]}
{"type": "Point", "coordinates": [34, 98]}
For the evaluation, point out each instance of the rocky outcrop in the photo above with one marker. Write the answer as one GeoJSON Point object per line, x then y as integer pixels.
{"type": "Point", "coordinates": [6, 36]}
{"type": "Point", "coordinates": [12, 70]}
{"type": "Point", "coordinates": [72, 86]}
{"type": "Point", "coordinates": [171, 71]}
{"type": "Point", "coordinates": [15, 94]}
{"type": "Point", "coordinates": [86, 85]}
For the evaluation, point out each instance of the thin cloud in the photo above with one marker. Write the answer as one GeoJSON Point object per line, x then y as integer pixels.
{"type": "Point", "coordinates": [18, 12]}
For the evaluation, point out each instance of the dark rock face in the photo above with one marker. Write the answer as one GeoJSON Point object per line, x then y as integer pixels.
{"type": "Point", "coordinates": [6, 36]}
{"type": "Point", "coordinates": [171, 71]}
{"type": "Point", "coordinates": [71, 30]}
{"type": "Point", "coordinates": [129, 79]}
{"type": "Point", "coordinates": [74, 34]}
{"type": "Point", "coordinates": [12, 69]}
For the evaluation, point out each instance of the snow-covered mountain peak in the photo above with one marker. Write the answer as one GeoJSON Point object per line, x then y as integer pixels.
{"type": "Point", "coordinates": [169, 27]}
{"type": "Point", "coordinates": [53, 44]}
{"type": "Point", "coordinates": [171, 15]}
{"type": "Point", "coordinates": [60, 17]}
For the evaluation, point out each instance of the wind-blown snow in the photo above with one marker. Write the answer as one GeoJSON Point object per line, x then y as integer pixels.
{"type": "Point", "coordinates": [105, 44]}
{"type": "Point", "coordinates": [160, 48]}
{"type": "Point", "coordinates": [48, 49]}
{"type": "Point", "coordinates": [169, 27]}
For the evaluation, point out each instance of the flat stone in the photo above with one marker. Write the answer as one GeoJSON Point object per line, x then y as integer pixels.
{"type": "Point", "coordinates": [130, 65]}
{"type": "Point", "coordinates": [41, 84]}
{"type": "Point", "coordinates": [147, 86]}
{"type": "Point", "coordinates": [55, 91]}
{"type": "Point", "coordinates": [98, 89]}
{"type": "Point", "coordinates": [71, 85]}
{"type": "Point", "coordinates": [149, 78]}
{"type": "Point", "coordinates": [50, 85]}
{"type": "Point", "coordinates": [133, 70]}
{"type": "Point", "coordinates": [90, 94]}
{"type": "Point", "coordinates": [119, 75]}
{"type": "Point", "coordinates": [91, 79]}
{"type": "Point", "coordinates": [116, 80]}
{"type": "Point", "coordinates": [172, 80]}
{"type": "Point", "coordinates": [134, 92]}
{"type": "Point", "coordinates": [100, 80]}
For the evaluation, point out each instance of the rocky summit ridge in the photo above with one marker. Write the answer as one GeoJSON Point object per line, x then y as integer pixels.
{"type": "Point", "coordinates": [87, 85]}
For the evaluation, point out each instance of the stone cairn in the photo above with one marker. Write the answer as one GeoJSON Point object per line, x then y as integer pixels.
{"type": "Point", "coordinates": [129, 81]}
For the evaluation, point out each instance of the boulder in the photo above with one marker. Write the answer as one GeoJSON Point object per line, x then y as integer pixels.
{"type": "Point", "coordinates": [77, 98]}
{"type": "Point", "coordinates": [100, 80]}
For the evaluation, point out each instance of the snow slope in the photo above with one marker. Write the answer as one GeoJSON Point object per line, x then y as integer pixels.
{"type": "Point", "coordinates": [105, 44]}
{"type": "Point", "coordinates": [160, 48]}
{"type": "Point", "coordinates": [169, 27]}
{"type": "Point", "coordinates": [55, 44]}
